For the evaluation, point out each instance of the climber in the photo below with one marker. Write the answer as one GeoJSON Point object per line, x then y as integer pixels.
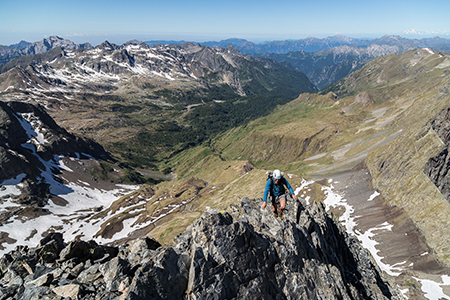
{"type": "Point", "coordinates": [275, 187]}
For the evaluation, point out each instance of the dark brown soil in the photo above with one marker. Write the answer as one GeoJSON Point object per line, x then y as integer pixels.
{"type": "Point", "coordinates": [404, 246]}
{"type": "Point", "coordinates": [4, 238]}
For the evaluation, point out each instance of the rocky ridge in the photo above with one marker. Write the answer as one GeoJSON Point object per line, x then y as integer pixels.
{"type": "Point", "coordinates": [312, 44]}
{"type": "Point", "coordinates": [437, 168]}
{"type": "Point", "coordinates": [109, 67]}
{"type": "Point", "coordinates": [42, 46]}
{"type": "Point", "coordinates": [244, 253]}
{"type": "Point", "coordinates": [28, 135]}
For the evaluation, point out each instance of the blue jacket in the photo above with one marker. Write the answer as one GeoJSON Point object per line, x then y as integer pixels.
{"type": "Point", "coordinates": [277, 189]}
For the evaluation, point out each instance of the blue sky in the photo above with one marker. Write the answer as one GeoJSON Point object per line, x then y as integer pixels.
{"type": "Point", "coordinates": [200, 20]}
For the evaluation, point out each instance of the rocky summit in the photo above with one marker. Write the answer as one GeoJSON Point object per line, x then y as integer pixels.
{"type": "Point", "coordinates": [240, 253]}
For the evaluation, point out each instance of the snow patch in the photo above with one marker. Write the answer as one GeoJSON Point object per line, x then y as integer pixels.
{"type": "Point", "coordinates": [334, 200]}
{"type": "Point", "coordinates": [428, 50]}
{"type": "Point", "coordinates": [74, 219]}
{"type": "Point", "coordinates": [373, 196]}
{"type": "Point", "coordinates": [303, 185]}
{"type": "Point", "coordinates": [369, 243]}
{"type": "Point", "coordinates": [32, 126]}
{"type": "Point", "coordinates": [432, 289]}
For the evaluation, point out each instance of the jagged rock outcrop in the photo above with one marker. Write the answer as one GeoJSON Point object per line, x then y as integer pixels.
{"type": "Point", "coordinates": [50, 43]}
{"type": "Point", "coordinates": [42, 46]}
{"type": "Point", "coordinates": [240, 254]}
{"type": "Point", "coordinates": [28, 134]}
{"type": "Point", "coordinates": [438, 167]}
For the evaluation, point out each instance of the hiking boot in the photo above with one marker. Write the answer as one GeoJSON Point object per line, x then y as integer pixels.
{"type": "Point", "coordinates": [280, 214]}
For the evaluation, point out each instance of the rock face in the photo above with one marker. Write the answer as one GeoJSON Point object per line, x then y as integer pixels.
{"type": "Point", "coordinates": [25, 48]}
{"type": "Point", "coordinates": [240, 254]}
{"type": "Point", "coordinates": [438, 167]}
{"type": "Point", "coordinates": [50, 43]}
{"type": "Point", "coordinates": [28, 135]}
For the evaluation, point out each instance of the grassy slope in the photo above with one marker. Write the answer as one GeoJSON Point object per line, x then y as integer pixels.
{"type": "Point", "coordinates": [227, 182]}
{"type": "Point", "coordinates": [224, 161]}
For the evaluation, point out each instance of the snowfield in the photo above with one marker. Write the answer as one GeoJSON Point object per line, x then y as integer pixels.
{"type": "Point", "coordinates": [431, 289]}
{"type": "Point", "coordinates": [73, 218]}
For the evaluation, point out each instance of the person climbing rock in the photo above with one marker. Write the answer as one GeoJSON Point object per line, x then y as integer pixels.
{"type": "Point", "coordinates": [276, 191]}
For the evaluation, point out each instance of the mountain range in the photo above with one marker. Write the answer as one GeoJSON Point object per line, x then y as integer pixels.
{"type": "Point", "coordinates": [324, 61]}
{"type": "Point", "coordinates": [328, 66]}
{"type": "Point", "coordinates": [153, 88]}
{"type": "Point", "coordinates": [309, 44]}
{"type": "Point", "coordinates": [312, 44]}
{"type": "Point", "coordinates": [26, 48]}
{"type": "Point", "coordinates": [119, 142]}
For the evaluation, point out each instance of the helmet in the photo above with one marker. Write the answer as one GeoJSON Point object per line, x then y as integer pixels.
{"type": "Point", "coordinates": [276, 174]}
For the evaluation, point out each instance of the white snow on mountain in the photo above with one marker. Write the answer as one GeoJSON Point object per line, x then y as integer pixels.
{"type": "Point", "coordinates": [32, 126]}
{"type": "Point", "coordinates": [432, 289]}
{"type": "Point", "coordinates": [71, 219]}
{"type": "Point", "coordinates": [76, 218]}
{"type": "Point", "coordinates": [80, 71]}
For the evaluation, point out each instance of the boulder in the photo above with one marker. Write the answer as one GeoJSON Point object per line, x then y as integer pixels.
{"type": "Point", "coordinates": [67, 291]}
{"type": "Point", "coordinates": [114, 272]}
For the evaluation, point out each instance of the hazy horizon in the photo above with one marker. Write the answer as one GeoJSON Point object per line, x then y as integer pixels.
{"type": "Point", "coordinates": [199, 20]}
{"type": "Point", "coordinates": [122, 40]}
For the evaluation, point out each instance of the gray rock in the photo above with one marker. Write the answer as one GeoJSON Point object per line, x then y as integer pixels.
{"type": "Point", "coordinates": [77, 270]}
{"type": "Point", "coordinates": [244, 253]}
{"type": "Point", "coordinates": [166, 278]}
{"type": "Point", "coordinates": [437, 168]}
{"type": "Point", "coordinates": [43, 280]}
{"type": "Point", "coordinates": [82, 251]}
{"type": "Point", "coordinates": [246, 259]}
{"type": "Point", "coordinates": [34, 292]}
{"type": "Point", "coordinates": [50, 248]}
{"type": "Point", "coordinates": [70, 290]}
{"type": "Point", "coordinates": [113, 272]}
{"type": "Point", "coordinates": [140, 250]}
{"type": "Point", "coordinates": [89, 275]}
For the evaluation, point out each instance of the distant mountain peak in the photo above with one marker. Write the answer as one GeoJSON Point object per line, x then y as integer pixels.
{"type": "Point", "coordinates": [49, 43]}
{"type": "Point", "coordinates": [107, 46]}
{"type": "Point", "coordinates": [134, 42]}
{"type": "Point", "coordinates": [21, 45]}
